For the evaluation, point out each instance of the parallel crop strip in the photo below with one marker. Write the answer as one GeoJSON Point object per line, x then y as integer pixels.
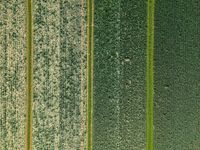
{"type": "Point", "coordinates": [12, 74]}
{"type": "Point", "coordinates": [119, 75]}
{"type": "Point", "coordinates": [59, 120]}
{"type": "Point", "coordinates": [177, 70]}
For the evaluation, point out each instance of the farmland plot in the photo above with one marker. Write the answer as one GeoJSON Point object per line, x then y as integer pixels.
{"type": "Point", "coordinates": [59, 75]}
{"type": "Point", "coordinates": [12, 74]}
{"type": "Point", "coordinates": [99, 75]}
{"type": "Point", "coordinates": [59, 107]}
{"type": "Point", "coordinates": [119, 75]}
{"type": "Point", "coordinates": [177, 80]}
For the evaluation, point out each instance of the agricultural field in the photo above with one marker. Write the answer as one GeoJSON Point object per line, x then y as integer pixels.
{"type": "Point", "coordinates": [59, 75]}
{"type": "Point", "coordinates": [12, 75]}
{"type": "Point", "coordinates": [119, 75]}
{"type": "Point", "coordinates": [59, 105]}
{"type": "Point", "coordinates": [177, 75]}
{"type": "Point", "coordinates": [99, 75]}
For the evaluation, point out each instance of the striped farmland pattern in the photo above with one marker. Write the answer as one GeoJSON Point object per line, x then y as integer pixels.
{"type": "Point", "coordinates": [59, 120]}
{"type": "Point", "coordinates": [99, 75]}
{"type": "Point", "coordinates": [12, 74]}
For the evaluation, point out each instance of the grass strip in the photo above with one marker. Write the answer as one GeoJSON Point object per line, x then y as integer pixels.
{"type": "Point", "coordinates": [29, 71]}
{"type": "Point", "coordinates": [150, 75]}
{"type": "Point", "coordinates": [90, 57]}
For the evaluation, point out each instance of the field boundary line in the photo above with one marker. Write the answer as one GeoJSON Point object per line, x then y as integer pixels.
{"type": "Point", "coordinates": [150, 75]}
{"type": "Point", "coordinates": [29, 74]}
{"type": "Point", "coordinates": [90, 61]}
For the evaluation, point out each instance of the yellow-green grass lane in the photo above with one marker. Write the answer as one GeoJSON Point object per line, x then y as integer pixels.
{"type": "Point", "coordinates": [29, 71]}
{"type": "Point", "coordinates": [149, 75]}
{"type": "Point", "coordinates": [90, 57]}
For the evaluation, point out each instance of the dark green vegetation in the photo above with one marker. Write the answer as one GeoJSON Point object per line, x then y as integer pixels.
{"type": "Point", "coordinates": [119, 75]}
{"type": "Point", "coordinates": [177, 75]}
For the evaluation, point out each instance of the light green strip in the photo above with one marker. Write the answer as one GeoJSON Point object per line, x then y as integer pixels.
{"type": "Point", "coordinates": [90, 56]}
{"type": "Point", "coordinates": [29, 32]}
{"type": "Point", "coordinates": [149, 75]}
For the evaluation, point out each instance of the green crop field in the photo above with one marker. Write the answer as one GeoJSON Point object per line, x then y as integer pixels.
{"type": "Point", "coordinates": [119, 75]}
{"type": "Point", "coordinates": [177, 75]}
{"type": "Point", "coordinates": [99, 75]}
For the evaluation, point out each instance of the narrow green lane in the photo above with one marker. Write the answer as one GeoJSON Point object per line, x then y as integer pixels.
{"type": "Point", "coordinates": [90, 72]}
{"type": "Point", "coordinates": [29, 73]}
{"type": "Point", "coordinates": [150, 76]}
